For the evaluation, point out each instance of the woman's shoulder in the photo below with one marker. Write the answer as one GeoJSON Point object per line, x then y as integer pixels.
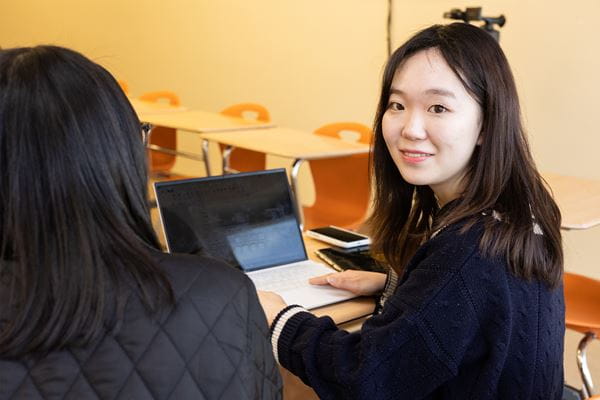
{"type": "Point", "coordinates": [453, 245]}
{"type": "Point", "coordinates": [481, 270]}
{"type": "Point", "coordinates": [466, 232]}
{"type": "Point", "coordinates": [456, 251]}
{"type": "Point", "coordinates": [201, 276]}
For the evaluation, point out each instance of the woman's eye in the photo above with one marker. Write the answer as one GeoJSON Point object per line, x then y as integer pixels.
{"type": "Point", "coordinates": [437, 109]}
{"type": "Point", "coordinates": [395, 106]}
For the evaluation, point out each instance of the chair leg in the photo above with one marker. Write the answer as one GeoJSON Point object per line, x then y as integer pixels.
{"type": "Point", "coordinates": [586, 377]}
{"type": "Point", "coordinates": [294, 178]}
{"type": "Point", "coordinates": [226, 155]}
{"type": "Point", "coordinates": [205, 155]}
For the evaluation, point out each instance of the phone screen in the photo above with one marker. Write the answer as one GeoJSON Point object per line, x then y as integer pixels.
{"type": "Point", "coordinates": [339, 234]}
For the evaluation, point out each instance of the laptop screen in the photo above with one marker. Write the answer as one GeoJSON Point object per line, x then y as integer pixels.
{"type": "Point", "coordinates": [247, 219]}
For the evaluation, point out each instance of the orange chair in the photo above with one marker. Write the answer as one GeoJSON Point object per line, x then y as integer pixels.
{"type": "Point", "coordinates": [241, 160]}
{"type": "Point", "coordinates": [582, 314]}
{"type": "Point", "coordinates": [342, 191]}
{"type": "Point", "coordinates": [161, 163]}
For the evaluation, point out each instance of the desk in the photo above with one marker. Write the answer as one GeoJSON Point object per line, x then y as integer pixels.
{"type": "Point", "coordinates": [289, 143]}
{"type": "Point", "coordinates": [201, 121]}
{"type": "Point", "coordinates": [197, 121]}
{"type": "Point", "coordinates": [146, 108]}
{"type": "Point", "coordinates": [578, 200]}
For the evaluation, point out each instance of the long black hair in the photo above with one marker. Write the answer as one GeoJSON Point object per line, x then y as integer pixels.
{"type": "Point", "coordinates": [75, 231]}
{"type": "Point", "coordinates": [501, 174]}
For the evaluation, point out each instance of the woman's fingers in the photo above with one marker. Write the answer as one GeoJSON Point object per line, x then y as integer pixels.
{"type": "Point", "coordinates": [341, 280]}
{"type": "Point", "coordinates": [337, 279]}
{"type": "Point", "coordinates": [359, 282]}
{"type": "Point", "coordinates": [320, 280]}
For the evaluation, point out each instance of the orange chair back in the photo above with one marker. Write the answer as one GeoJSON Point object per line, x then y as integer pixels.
{"type": "Point", "coordinates": [582, 303]}
{"type": "Point", "coordinates": [342, 189]}
{"type": "Point", "coordinates": [155, 97]}
{"type": "Point", "coordinates": [161, 163]}
{"type": "Point", "coordinates": [246, 160]}
{"type": "Point", "coordinates": [239, 110]}
{"type": "Point", "coordinates": [337, 128]}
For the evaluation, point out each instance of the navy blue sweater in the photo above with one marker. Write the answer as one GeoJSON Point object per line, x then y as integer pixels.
{"type": "Point", "coordinates": [459, 326]}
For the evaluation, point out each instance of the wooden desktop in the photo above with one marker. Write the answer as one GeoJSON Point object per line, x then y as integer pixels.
{"type": "Point", "coordinates": [578, 200]}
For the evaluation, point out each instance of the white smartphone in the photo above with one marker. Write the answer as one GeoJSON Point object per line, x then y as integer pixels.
{"type": "Point", "coordinates": [338, 236]}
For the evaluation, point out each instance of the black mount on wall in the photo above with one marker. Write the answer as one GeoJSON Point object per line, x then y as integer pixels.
{"type": "Point", "coordinates": [474, 14]}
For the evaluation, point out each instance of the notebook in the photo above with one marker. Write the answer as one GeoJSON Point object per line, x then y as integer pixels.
{"type": "Point", "coordinates": [249, 221]}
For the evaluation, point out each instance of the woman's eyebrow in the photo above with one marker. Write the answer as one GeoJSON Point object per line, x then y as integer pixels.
{"type": "Point", "coordinates": [441, 92]}
{"type": "Point", "coordinates": [432, 91]}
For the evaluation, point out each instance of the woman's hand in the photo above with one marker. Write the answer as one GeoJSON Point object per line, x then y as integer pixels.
{"type": "Point", "coordinates": [271, 303]}
{"type": "Point", "coordinates": [362, 283]}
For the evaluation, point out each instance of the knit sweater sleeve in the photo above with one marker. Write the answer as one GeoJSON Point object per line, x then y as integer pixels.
{"type": "Point", "coordinates": [412, 347]}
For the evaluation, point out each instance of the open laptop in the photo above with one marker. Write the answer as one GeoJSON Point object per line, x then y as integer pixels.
{"type": "Point", "coordinates": [249, 221]}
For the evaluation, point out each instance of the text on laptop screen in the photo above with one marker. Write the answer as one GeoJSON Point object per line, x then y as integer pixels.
{"type": "Point", "coordinates": [247, 220]}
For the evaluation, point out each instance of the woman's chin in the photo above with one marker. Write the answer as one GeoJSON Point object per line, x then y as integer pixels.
{"type": "Point", "coordinates": [416, 180]}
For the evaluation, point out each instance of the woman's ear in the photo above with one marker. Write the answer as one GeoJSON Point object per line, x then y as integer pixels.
{"type": "Point", "coordinates": [480, 139]}
{"type": "Point", "coordinates": [480, 124]}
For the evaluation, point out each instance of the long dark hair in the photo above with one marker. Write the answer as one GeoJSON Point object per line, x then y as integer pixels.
{"type": "Point", "coordinates": [501, 174]}
{"type": "Point", "coordinates": [75, 230]}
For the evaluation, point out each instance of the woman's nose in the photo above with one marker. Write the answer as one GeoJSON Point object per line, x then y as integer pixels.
{"type": "Point", "coordinates": [414, 127]}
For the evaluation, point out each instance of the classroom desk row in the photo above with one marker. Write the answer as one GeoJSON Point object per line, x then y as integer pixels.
{"type": "Point", "coordinates": [233, 132]}
{"type": "Point", "coordinates": [195, 121]}
{"type": "Point", "coordinates": [578, 199]}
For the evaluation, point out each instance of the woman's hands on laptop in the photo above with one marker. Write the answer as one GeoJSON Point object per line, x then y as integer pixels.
{"type": "Point", "coordinates": [362, 283]}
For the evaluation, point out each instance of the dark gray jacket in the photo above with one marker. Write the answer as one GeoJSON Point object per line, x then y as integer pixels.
{"type": "Point", "coordinates": [212, 345]}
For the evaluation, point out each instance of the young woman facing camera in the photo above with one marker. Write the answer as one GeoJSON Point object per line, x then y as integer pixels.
{"type": "Point", "coordinates": [90, 308]}
{"type": "Point", "coordinates": [473, 305]}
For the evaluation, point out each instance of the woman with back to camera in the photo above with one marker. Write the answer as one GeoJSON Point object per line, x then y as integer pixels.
{"type": "Point", "coordinates": [89, 306]}
{"type": "Point", "coordinates": [473, 308]}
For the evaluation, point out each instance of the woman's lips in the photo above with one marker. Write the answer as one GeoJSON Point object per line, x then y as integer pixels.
{"type": "Point", "coordinates": [415, 156]}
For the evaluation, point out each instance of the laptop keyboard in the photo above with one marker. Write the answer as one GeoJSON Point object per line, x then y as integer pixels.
{"type": "Point", "coordinates": [287, 278]}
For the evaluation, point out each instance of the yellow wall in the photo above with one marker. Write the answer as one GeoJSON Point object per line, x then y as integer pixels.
{"type": "Point", "coordinates": [312, 62]}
